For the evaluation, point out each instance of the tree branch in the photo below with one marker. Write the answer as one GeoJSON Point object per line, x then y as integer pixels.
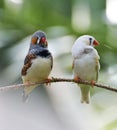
{"type": "Point", "coordinates": [54, 80]}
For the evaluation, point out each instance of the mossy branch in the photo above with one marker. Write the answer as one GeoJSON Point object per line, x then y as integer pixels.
{"type": "Point", "coordinates": [54, 80]}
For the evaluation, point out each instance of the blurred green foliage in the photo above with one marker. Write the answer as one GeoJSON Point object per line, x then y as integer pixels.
{"type": "Point", "coordinates": [20, 18]}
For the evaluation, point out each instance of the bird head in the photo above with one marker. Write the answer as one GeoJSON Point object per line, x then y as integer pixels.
{"type": "Point", "coordinates": [39, 40]}
{"type": "Point", "coordinates": [83, 42]}
{"type": "Point", "coordinates": [87, 40]}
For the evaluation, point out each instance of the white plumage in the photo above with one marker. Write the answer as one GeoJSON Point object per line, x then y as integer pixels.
{"type": "Point", "coordinates": [85, 63]}
{"type": "Point", "coordinates": [40, 69]}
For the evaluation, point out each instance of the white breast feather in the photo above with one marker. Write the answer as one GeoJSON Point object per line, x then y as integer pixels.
{"type": "Point", "coordinates": [39, 70]}
{"type": "Point", "coordinates": [85, 67]}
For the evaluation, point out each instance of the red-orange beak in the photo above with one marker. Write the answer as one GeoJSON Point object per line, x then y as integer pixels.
{"type": "Point", "coordinates": [95, 43]}
{"type": "Point", "coordinates": [44, 41]}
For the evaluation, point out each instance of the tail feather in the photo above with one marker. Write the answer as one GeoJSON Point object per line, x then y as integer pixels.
{"type": "Point", "coordinates": [27, 91]}
{"type": "Point", "coordinates": [85, 93]}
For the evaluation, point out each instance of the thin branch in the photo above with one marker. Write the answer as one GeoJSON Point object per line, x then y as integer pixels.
{"type": "Point", "coordinates": [54, 80]}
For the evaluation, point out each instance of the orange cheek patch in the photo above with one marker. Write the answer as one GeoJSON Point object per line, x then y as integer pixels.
{"type": "Point", "coordinates": [34, 40]}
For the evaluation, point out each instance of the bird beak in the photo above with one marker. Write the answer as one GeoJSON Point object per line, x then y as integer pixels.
{"type": "Point", "coordinates": [95, 43]}
{"type": "Point", "coordinates": [44, 41]}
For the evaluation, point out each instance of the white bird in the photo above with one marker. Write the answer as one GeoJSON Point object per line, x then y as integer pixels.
{"type": "Point", "coordinates": [85, 63]}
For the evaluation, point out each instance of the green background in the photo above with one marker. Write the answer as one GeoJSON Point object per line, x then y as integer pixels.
{"type": "Point", "coordinates": [56, 107]}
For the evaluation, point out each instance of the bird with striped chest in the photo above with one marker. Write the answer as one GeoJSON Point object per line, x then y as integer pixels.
{"type": "Point", "coordinates": [38, 62]}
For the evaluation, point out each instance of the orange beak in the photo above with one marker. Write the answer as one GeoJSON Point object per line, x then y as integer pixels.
{"type": "Point", "coordinates": [44, 41]}
{"type": "Point", "coordinates": [95, 43]}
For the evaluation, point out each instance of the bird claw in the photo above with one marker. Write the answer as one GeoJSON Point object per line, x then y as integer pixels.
{"type": "Point", "coordinates": [77, 79]}
{"type": "Point", "coordinates": [48, 81]}
{"type": "Point", "coordinates": [93, 83]}
{"type": "Point", "coordinates": [28, 83]}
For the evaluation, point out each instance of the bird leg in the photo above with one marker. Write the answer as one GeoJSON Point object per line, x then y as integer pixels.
{"type": "Point", "coordinates": [77, 79]}
{"type": "Point", "coordinates": [93, 83]}
{"type": "Point", "coordinates": [48, 81]}
{"type": "Point", "coordinates": [28, 83]}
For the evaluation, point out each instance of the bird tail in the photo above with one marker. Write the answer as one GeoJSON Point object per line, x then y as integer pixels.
{"type": "Point", "coordinates": [85, 93]}
{"type": "Point", "coordinates": [27, 91]}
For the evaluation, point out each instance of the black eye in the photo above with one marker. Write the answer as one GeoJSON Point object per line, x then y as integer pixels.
{"type": "Point", "coordinates": [90, 40]}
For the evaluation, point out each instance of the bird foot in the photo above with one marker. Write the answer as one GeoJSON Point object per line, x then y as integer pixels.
{"type": "Point", "coordinates": [77, 79]}
{"type": "Point", "coordinates": [28, 83]}
{"type": "Point", "coordinates": [93, 83]}
{"type": "Point", "coordinates": [48, 81]}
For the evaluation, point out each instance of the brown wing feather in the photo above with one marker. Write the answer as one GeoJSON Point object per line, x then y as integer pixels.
{"type": "Point", "coordinates": [27, 63]}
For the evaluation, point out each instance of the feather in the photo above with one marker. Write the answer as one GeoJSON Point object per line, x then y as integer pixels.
{"type": "Point", "coordinates": [85, 63]}
{"type": "Point", "coordinates": [37, 64]}
{"type": "Point", "coordinates": [27, 91]}
{"type": "Point", "coordinates": [27, 63]}
{"type": "Point", "coordinates": [85, 93]}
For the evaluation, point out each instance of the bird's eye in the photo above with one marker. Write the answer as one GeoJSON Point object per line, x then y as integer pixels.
{"type": "Point", "coordinates": [34, 40]}
{"type": "Point", "coordinates": [90, 41]}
